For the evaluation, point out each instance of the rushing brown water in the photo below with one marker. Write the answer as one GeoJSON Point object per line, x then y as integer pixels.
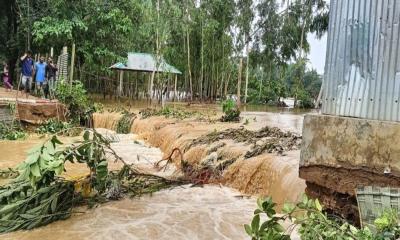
{"type": "Point", "coordinates": [210, 212]}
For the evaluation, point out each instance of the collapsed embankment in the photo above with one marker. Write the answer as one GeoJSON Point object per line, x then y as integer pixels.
{"type": "Point", "coordinates": [260, 162]}
{"type": "Point", "coordinates": [340, 154]}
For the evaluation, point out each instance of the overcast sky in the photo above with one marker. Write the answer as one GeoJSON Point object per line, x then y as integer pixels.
{"type": "Point", "coordinates": [317, 53]}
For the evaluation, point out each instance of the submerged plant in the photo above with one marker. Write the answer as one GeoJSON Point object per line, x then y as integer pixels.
{"type": "Point", "coordinates": [231, 111]}
{"type": "Point", "coordinates": [125, 122]}
{"type": "Point", "coordinates": [53, 126]}
{"type": "Point", "coordinates": [12, 131]}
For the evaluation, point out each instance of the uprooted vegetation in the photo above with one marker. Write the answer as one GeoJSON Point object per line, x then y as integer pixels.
{"type": "Point", "coordinates": [169, 113]}
{"type": "Point", "coordinates": [125, 122]}
{"type": "Point", "coordinates": [38, 195]}
{"type": "Point", "coordinates": [231, 111]}
{"type": "Point", "coordinates": [204, 173]}
{"type": "Point", "coordinates": [267, 139]}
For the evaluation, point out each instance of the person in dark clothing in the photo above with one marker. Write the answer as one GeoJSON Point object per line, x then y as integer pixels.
{"type": "Point", "coordinates": [51, 70]}
{"type": "Point", "coordinates": [27, 71]}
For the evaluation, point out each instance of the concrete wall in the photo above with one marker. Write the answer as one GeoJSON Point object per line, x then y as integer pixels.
{"type": "Point", "coordinates": [351, 143]}
{"type": "Point", "coordinates": [339, 154]}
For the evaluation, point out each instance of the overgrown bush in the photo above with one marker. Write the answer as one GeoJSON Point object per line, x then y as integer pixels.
{"type": "Point", "coordinates": [53, 126]}
{"type": "Point", "coordinates": [74, 96]}
{"type": "Point", "coordinates": [307, 217]}
{"type": "Point", "coordinates": [12, 131]}
{"type": "Point", "coordinates": [231, 111]}
{"type": "Point", "coordinates": [305, 100]}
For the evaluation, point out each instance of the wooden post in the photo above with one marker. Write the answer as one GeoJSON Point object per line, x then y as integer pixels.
{"type": "Point", "coordinates": [175, 84]}
{"type": "Point", "coordinates": [71, 76]}
{"type": "Point", "coordinates": [239, 81]}
{"type": "Point", "coordinates": [121, 82]}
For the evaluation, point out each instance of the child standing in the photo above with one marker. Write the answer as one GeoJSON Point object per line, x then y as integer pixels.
{"type": "Point", "coordinates": [6, 79]}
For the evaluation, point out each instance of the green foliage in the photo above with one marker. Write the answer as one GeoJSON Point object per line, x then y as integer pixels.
{"type": "Point", "coordinates": [13, 131]}
{"type": "Point", "coordinates": [270, 229]}
{"type": "Point", "coordinates": [74, 96]}
{"type": "Point", "coordinates": [53, 126]}
{"type": "Point", "coordinates": [36, 197]}
{"type": "Point", "coordinates": [305, 100]}
{"type": "Point", "coordinates": [91, 151]}
{"type": "Point", "coordinates": [313, 223]}
{"type": "Point", "coordinates": [125, 122]}
{"type": "Point", "coordinates": [21, 207]}
{"type": "Point", "coordinates": [194, 36]}
{"type": "Point", "coordinates": [42, 164]}
{"type": "Point", "coordinates": [388, 225]}
{"type": "Point", "coordinates": [231, 111]}
{"type": "Point", "coordinates": [312, 83]}
{"type": "Point", "coordinates": [39, 195]}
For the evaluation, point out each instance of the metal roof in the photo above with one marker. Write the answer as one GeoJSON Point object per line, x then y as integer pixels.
{"type": "Point", "coordinates": [362, 71]}
{"type": "Point", "coordinates": [145, 62]}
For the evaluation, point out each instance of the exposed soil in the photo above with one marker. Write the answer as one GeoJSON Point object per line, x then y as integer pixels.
{"type": "Point", "coordinates": [346, 180]}
{"type": "Point", "coordinates": [335, 187]}
{"type": "Point", "coordinates": [37, 113]}
{"type": "Point", "coordinates": [337, 204]}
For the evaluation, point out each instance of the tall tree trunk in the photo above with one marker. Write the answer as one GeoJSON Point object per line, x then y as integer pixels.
{"type": "Point", "coordinates": [261, 84]}
{"type": "Point", "coordinates": [121, 83]}
{"type": "Point", "coordinates": [157, 54]}
{"type": "Point", "coordinates": [226, 85]}
{"type": "Point", "coordinates": [202, 62]}
{"type": "Point", "coordinates": [247, 73]}
{"type": "Point", "coordinates": [189, 69]}
{"type": "Point", "coordinates": [175, 83]}
{"type": "Point", "coordinates": [188, 51]}
{"type": "Point", "coordinates": [239, 81]}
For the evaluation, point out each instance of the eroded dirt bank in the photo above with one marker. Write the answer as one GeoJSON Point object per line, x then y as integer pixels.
{"type": "Point", "coordinates": [254, 158]}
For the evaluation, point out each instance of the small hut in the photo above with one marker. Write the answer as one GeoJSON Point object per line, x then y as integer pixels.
{"type": "Point", "coordinates": [145, 62]}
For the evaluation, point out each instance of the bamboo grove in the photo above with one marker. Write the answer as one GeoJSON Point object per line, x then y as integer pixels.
{"type": "Point", "coordinates": [255, 49]}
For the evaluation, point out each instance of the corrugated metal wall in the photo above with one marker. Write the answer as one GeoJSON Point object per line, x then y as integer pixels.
{"type": "Point", "coordinates": [362, 72]}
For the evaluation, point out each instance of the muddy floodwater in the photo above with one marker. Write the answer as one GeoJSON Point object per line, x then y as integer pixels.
{"type": "Point", "coordinates": [208, 212]}
{"type": "Point", "coordinates": [211, 212]}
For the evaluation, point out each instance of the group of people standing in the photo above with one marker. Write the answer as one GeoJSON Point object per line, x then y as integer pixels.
{"type": "Point", "coordinates": [44, 74]}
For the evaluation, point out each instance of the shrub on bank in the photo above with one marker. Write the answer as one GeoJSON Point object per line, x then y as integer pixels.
{"type": "Point", "coordinates": [231, 111]}
{"type": "Point", "coordinates": [308, 218]}
{"type": "Point", "coordinates": [53, 126]}
{"type": "Point", "coordinates": [13, 131]}
{"type": "Point", "coordinates": [74, 97]}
